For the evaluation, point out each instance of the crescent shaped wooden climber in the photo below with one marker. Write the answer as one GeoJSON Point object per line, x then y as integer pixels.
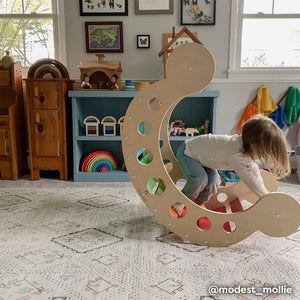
{"type": "Point", "coordinates": [190, 68]}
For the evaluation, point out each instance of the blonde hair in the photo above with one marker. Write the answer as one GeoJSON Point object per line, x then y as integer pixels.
{"type": "Point", "coordinates": [262, 134]}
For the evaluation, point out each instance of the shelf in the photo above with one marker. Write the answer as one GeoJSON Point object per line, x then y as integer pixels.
{"type": "Point", "coordinates": [111, 176]}
{"type": "Point", "coordinates": [193, 110]}
{"type": "Point", "coordinates": [119, 138]}
{"type": "Point", "coordinates": [178, 138]}
{"type": "Point", "coordinates": [98, 138]}
{"type": "Point", "coordinates": [124, 94]}
{"type": "Point", "coordinates": [102, 94]}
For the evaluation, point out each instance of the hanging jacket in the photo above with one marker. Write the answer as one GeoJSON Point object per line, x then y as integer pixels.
{"type": "Point", "coordinates": [278, 116]}
{"type": "Point", "coordinates": [292, 105]}
{"type": "Point", "coordinates": [265, 103]}
{"type": "Point", "coordinates": [298, 129]}
{"type": "Point", "coordinates": [249, 112]}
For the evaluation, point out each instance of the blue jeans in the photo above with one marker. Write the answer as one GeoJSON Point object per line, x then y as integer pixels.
{"type": "Point", "coordinates": [202, 182]}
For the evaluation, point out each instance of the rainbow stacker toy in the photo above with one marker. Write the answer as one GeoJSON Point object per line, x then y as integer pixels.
{"type": "Point", "coordinates": [99, 161]}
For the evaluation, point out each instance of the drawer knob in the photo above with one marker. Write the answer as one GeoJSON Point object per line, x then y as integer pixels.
{"type": "Point", "coordinates": [42, 99]}
{"type": "Point", "coordinates": [40, 128]}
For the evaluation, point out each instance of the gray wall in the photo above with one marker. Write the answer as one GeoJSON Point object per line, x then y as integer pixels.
{"type": "Point", "coordinates": [144, 64]}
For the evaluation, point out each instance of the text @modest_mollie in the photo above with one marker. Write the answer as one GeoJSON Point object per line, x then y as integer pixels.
{"type": "Point", "coordinates": [214, 290]}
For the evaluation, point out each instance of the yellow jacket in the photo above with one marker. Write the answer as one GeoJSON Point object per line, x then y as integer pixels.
{"type": "Point", "coordinates": [265, 103]}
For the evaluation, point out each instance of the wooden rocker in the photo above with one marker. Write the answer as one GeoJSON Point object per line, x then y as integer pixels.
{"type": "Point", "coordinates": [190, 69]}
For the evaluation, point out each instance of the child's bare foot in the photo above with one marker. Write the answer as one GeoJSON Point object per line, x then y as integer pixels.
{"type": "Point", "coordinates": [178, 207]}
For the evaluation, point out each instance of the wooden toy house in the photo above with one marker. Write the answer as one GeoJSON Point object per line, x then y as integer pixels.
{"type": "Point", "coordinates": [100, 72]}
{"type": "Point", "coordinates": [91, 126]}
{"type": "Point", "coordinates": [169, 46]}
{"type": "Point", "coordinates": [109, 126]}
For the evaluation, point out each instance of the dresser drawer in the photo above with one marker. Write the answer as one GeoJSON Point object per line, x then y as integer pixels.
{"type": "Point", "coordinates": [4, 120]}
{"type": "Point", "coordinates": [47, 133]}
{"type": "Point", "coordinates": [4, 142]}
{"type": "Point", "coordinates": [5, 78]}
{"type": "Point", "coordinates": [46, 95]}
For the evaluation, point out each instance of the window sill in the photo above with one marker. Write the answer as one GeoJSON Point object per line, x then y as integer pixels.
{"type": "Point", "coordinates": [269, 74]}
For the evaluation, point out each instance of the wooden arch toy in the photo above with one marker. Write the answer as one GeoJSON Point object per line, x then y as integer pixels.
{"type": "Point", "coordinates": [190, 68]}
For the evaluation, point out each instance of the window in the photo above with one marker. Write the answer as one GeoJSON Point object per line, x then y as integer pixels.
{"type": "Point", "coordinates": [265, 38]}
{"type": "Point", "coordinates": [31, 29]}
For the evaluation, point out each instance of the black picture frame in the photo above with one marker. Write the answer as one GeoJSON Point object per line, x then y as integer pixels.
{"type": "Point", "coordinates": [198, 12]}
{"type": "Point", "coordinates": [143, 41]}
{"type": "Point", "coordinates": [96, 8]}
{"type": "Point", "coordinates": [93, 45]}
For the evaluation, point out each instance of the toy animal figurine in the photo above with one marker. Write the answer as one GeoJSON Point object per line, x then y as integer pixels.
{"type": "Point", "coordinates": [191, 131]}
{"type": "Point", "coordinates": [177, 128]}
{"type": "Point", "coordinates": [85, 84]}
{"type": "Point", "coordinates": [112, 84]}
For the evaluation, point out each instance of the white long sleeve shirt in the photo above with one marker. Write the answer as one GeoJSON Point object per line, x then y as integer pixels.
{"type": "Point", "coordinates": [225, 152]}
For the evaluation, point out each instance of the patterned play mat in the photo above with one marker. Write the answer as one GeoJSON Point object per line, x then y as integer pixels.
{"type": "Point", "coordinates": [100, 242]}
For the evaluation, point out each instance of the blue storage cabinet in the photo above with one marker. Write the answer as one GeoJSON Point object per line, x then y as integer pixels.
{"type": "Point", "coordinates": [193, 110]}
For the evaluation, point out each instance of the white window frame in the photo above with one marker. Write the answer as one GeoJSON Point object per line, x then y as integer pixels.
{"type": "Point", "coordinates": [256, 74]}
{"type": "Point", "coordinates": [59, 25]}
{"type": "Point", "coordinates": [59, 33]}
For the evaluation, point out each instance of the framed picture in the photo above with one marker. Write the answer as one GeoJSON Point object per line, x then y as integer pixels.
{"type": "Point", "coordinates": [104, 37]}
{"type": "Point", "coordinates": [143, 41]}
{"type": "Point", "coordinates": [103, 7]}
{"type": "Point", "coordinates": [146, 7]}
{"type": "Point", "coordinates": [198, 12]}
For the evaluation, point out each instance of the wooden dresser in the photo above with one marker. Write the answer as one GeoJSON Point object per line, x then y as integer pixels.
{"type": "Point", "coordinates": [49, 118]}
{"type": "Point", "coordinates": [12, 124]}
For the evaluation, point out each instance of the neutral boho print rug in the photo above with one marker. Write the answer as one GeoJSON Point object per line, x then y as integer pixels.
{"type": "Point", "coordinates": [72, 241]}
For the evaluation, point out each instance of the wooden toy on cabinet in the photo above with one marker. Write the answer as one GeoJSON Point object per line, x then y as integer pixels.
{"type": "Point", "coordinates": [183, 36]}
{"type": "Point", "coordinates": [91, 126]}
{"type": "Point", "coordinates": [12, 122]}
{"type": "Point", "coordinates": [7, 61]}
{"type": "Point", "coordinates": [103, 75]}
{"type": "Point", "coordinates": [49, 117]}
{"type": "Point", "coordinates": [109, 126]}
{"type": "Point", "coordinates": [85, 84]}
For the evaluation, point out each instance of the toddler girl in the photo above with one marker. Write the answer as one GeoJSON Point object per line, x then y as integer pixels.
{"type": "Point", "coordinates": [200, 158]}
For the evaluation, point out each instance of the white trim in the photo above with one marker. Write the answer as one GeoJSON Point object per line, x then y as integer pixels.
{"type": "Point", "coordinates": [26, 16]}
{"type": "Point", "coordinates": [271, 16]}
{"type": "Point", "coordinates": [272, 74]}
{"type": "Point", "coordinates": [235, 33]}
{"type": "Point", "coordinates": [60, 36]}
{"type": "Point", "coordinates": [254, 80]}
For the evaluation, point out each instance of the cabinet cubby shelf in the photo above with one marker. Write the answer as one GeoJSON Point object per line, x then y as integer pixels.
{"type": "Point", "coordinates": [111, 176]}
{"type": "Point", "coordinates": [99, 138]}
{"type": "Point", "coordinates": [119, 138]}
{"type": "Point", "coordinates": [193, 110]}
